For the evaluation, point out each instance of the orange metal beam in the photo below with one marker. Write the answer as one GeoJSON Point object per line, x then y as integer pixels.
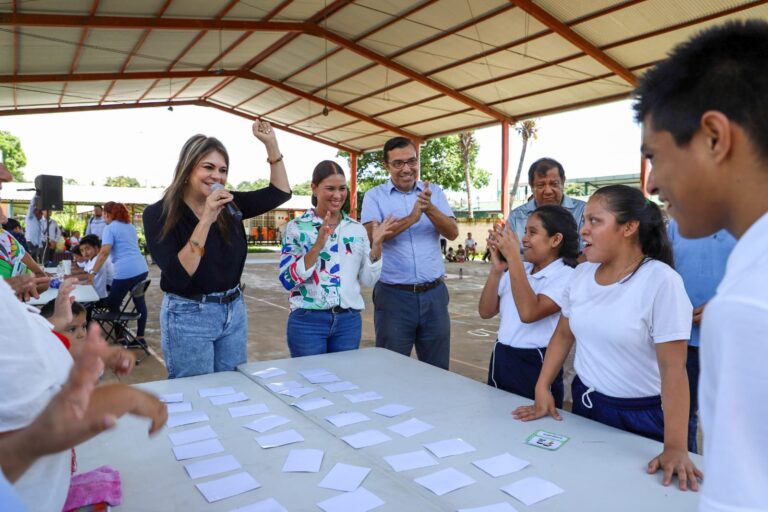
{"type": "Point", "coordinates": [575, 39]}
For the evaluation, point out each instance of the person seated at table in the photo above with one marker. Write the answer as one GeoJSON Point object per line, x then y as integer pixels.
{"type": "Point", "coordinates": [78, 260]}
{"type": "Point", "coordinates": [116, 358]}
{"type": "Point", "coordinates": [627, 311]}
{"type": "Point", "coordinates": [34, 364]}
{"type": "Point", "coordinates": [90, 247]}
{"type": "Point", "coordinates": [461, 254]}
{"type": "Point", "coordinates": [74, 414]}
{"type": "Point", "coordinates": [527, 292]}
{"type": "Point", "coordinates": [14, 228]}
{"type": "Point", "coordinates": [470, 246]}
{"type": "Point", "coordinates": [74, 239]}
{"type": "Point", "coordinates": [450, 255]}
{"type": "Point", "coordinates": [326, 257]}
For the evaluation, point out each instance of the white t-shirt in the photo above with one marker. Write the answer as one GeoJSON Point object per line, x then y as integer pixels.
{"type": "Point", "coordinates": [551, 281]}
{"type": "Point", "coordinates": [733, 397]}
{"type": "Point", "coordinates": [102, 277]}
{"type": "Point", "coordinates": [617, 326]}
{"type": "Point", "coordinates": [33, 366]}
{"type": "Point", "coordinates": [470, 244]}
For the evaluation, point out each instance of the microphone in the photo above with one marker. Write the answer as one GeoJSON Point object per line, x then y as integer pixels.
{"type": "Point", "coordinates": [232, 208]}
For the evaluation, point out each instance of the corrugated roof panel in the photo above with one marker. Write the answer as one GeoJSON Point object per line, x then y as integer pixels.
{"type": "Point", "coordinates": [6, 97]}
{"type": "Point", "coordinates": [166, 89]}
{"type": "Point", "coordinates": [355, 20]}
{"type": "Point", "coordinates": [252, 10]}
{"type": "Point", "coordinates": [209, 48]}
{"type": "Point", "coordinates": [339, 64]}
{"type": "Point", "coordinates": [6, 48]}
{"type": "Point", "coordinates": [574, 8]}
{"type": "Point", "coordinates": [86, 91]}
{"type": "Point", "coordinates": [398, 36]}
{"type": "Point", "coordinates": [239, 91]}
{"type": "Point", "coordinates": [300, 10]}
{"type": "Point", "coordinates": [250, 48]}
{"type": "Point", "coordinates": [296, 111]}
{"type": "Point", "coordinates": [571, 95]}
{"type": "Point", "coordinates": [430, 109]}
{"type": "Point", "coordinates": [351, 131]}
{"type": "Point", "coordinates": [160, 49]}
{"type": "Point", "coordinates": [394, 98]}
{"type": "Point", "coordinates": [271, 99]}
{"type": "Point", "coordinates": [321, 122]}
{"type": "Point", "coordinates": [292, 56]}
{"type": "Point", "coordinates": [31, 95]}
{"type": "Point", "coordinates": [55, 6]}
{"type": "Point", "coordinates": [127, 90]}
{"type": "Point", "coordinates": [199, 87]}
{"type": "Point", "coordinates": [449, 13]}
{"type": "Point", "coordinates": [367, 81]}
{"type": "Point", "coordinates": [456, 122]}
{"type": "Point", "coordinates": [47, 50]}
{"type": "Point", "coordinates": [195, 8]}
{"type": "Point", "coordinates": [376, 141]}
{"type": "Point", "coordinates": [106, 50]}
{"type": "Point", "coordinates": [123, 8]}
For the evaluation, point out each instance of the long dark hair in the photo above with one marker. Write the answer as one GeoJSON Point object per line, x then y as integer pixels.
{"type": "Point", "coordinates": [628, 204]}
{"type": "Point", "coordinates": [323, 170]}
{"type": "Point", "coordinates": [557, 219]}
{"type": "Point", "coordinates": [195, 149]}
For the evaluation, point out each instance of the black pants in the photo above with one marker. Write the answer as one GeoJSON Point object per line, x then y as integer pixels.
{"type": "Point", "coordinates": [517, 369]}
{"type": "Point", "coordinates": [692, 366]}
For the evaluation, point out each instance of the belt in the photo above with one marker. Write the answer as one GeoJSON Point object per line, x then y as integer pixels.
{"type": "Point", "coordinates": [416, 288]}
{"type": "Point", "coordinates": [216, 299]}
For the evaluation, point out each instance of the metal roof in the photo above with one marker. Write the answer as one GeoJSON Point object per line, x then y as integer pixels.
{"type": "Point", "coordinates": [347, 73]}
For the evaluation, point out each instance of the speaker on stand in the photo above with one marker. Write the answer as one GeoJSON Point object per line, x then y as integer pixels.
{"type": "Point", "coordinates": [49, 191]}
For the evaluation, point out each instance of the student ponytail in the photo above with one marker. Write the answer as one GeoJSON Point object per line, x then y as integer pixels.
{"type": "Point", "coordinates": [557, 219]}
{"type": "Point", "coordinates": [628, 204]}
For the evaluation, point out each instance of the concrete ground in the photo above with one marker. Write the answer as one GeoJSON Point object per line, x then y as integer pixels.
{"type": "Point", "coordinates": [267, 302]}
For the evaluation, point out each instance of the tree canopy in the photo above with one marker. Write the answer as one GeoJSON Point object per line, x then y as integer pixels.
{"type": "Point", "coordinates": [122, 181]}
{"type": "Point", "coordinates": [13, 156]}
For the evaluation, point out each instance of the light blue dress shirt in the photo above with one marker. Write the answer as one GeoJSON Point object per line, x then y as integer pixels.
{"type": "Point", "coordinates": [32, 231]}
{"type": "Point", "coordinates": [701, 263]}
{"type": "Point", "coordinates": [126, 255]}
{"type": "Point", "coordinates": [413, 256]}
{"type": "Point", "coordinates": [519, 216]}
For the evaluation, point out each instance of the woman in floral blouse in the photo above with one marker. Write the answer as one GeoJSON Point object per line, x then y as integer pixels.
{"type": "Point", "coordinates": [326, 257]}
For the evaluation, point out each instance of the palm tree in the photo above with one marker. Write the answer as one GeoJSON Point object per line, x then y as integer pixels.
{"type": "Point", "coordinates": [527, 130]}
{"type": "Point", "coordinates": [467, 144]}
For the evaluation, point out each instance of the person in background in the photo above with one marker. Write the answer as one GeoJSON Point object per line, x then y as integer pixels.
{"type": "Point", "coordinates": [96, 224]}
{"type": "Point", "coordinates": [450, 256]}
{"type": "Point", "coordinates": [51, 232]}
{"type": "Point", "coordinates": [74, 238]}
{"type": "Point", "coordinates": [470, 246]}
{"type": "Point", "coordinates": [326, 258]}
{"type": "Point", "coordinates": [121, 243]}
{"type": "Point", "coordinates": [33, 231]}
{"type": "Point", "coordinates": [705, 129]}
{"type": "Point", "coordinates": [14, 228]}
{"type": "Point", "coordinates": [201, 250]}
{"type": "Point", "coordinates": [461, 254]}
{"type": "Point", "coordinates": [90, 248]}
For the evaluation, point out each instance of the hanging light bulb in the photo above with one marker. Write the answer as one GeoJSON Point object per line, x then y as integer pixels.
{"type": "Point", "coordinates": [326, 111]}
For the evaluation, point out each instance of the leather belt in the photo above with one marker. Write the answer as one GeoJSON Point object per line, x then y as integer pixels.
{"type": "Point", "coordinates": [416, 288]}
{"type": "Point", "coordinates": [216, 299]}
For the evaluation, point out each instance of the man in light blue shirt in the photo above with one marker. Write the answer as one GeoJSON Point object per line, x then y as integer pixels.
{"type": "Point", "coordinates": [96, 224]}
{"type": "Point", "coordinates": [411, 299]}
{"type": "Point", "coordinates": [547, 180]}
{"type": "Point", "coordinates": [701, 263]}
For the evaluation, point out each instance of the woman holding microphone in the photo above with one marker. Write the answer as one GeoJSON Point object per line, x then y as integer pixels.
{"type": "Point", "coordinates": [201, 249]}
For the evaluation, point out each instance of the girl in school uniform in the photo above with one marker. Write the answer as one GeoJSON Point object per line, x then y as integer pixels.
{"type": "Point", "coordinates": [627, 311]}
{"type": "Point", "coordinates": [528, 296]}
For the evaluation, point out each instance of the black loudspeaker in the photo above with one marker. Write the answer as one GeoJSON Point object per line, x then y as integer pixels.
{"type": "Point", "coordinates": [49, 192]}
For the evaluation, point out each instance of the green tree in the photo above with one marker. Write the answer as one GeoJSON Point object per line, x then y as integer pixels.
{"type": "Point", "coordinates": [302, 189]}
{"type": "Point", "coordinates": [575, 189]}
{"type": "Point", "coordinates": [468, 146]}
{"type": "Point", "coordinates": [70, 181]}
{"type": "Point", "coordinates": [13, 156]}
{"type": "Point", "coordinates": [527, 130]}
{"type": "Point", "coordinates": [245, 186]}
{"type": "Point", "coordinates": [122, 181]}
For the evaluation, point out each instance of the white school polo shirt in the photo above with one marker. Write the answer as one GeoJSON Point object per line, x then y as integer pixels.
{"type": "Point", "coordinates": [733, 395]}
{"type": "Point", "coordinates": [33, 366]}
{"type": "Point", "coordinates": [617, 327]}
{"type": "Point", "coordinates": [551, 281]}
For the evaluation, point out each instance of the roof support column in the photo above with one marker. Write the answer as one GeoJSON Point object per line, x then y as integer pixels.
{"type": "Point", "coordinates": [505, 169]}
{"type": "Point", "coordinates": [353, 185]}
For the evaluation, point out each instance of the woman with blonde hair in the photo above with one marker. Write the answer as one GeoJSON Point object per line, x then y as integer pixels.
{"type": "Point", "coordinates": [201, 248]}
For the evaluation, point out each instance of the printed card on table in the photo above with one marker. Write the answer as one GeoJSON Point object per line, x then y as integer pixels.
{"type": "Point", "coordinates": [546, 440]}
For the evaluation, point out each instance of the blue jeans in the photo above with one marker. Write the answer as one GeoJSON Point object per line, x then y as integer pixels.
{"type": "Point", "coordinates": [404, 319]}
{"type": "Point", "coordinates": [120, 288]}
{"type": "Point", "coordinates": [312, 332]}
{"type": "Point", "coordinates": [202, 337]}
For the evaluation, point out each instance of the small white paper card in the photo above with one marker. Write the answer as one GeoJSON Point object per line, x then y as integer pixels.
{"type": "Point", "coordinates": [501, 465]}
{"type": "Point", "coordinates": [344, 477]}
{"type": "Point", "coordinates": [410, 428]}
{"type": "Point", "coordinates": [392, 410]}
{"type": "Point", "coordinates": [366, 438]}
{"type": "Point", "coordinates": [312, 403]}
{"type": "Point", "coordinates": [198, 449]}
{"type": "Point", "coordinates": [279, 439]}
{"type": "Point", "coordinates": [268, 373]}
{"type": "Point", "coordinates": [228, 399]}
{"type": "Point", "coordinates": [323, 379]}
{"type": "Point", "coordinates": [445, 481]}
{"type": "Point", "coordinates": [170, 398]}
{"type": "Point", "coordinates": [267, 505]}
{"type": "Point", "coordinates": [361, 500]}
{"type": "Point", "coordinates": [266, 423]}
{"type": "Point", "coordinates": [532, 490]}
{"type": "Point", "coordinates": [303, 461]}
{"type": "Point", "coordinates": [227, 487]}
{"type": "Point", "coordinates": [192, 435]}
{"type": "Point", "coordinates": [340, 386]}
{"type": "Point", "coordinates": [314, 372]}
{"type": "Point", "coordinates": [175, 407]}
{"type": "Point", "coordinates": [496, 507]}
{"type": "Point", "coordinates": [410, 460]}
{"type": "Point", "coordinates": [248, 410]}
{"type": "Point", "coordinates": [366, 396]}
{"type": "Point", "coordinates": [209, 392]}
{"type": "Point", "coordinates": [186, 418]}
{"type": "Point", "coordinates": [213, 466]}
{"type": "Point", "coordinates": [347, 418]}
{"type": "Point", "coordinates": [277, 387]}
{"type": "Point", "coordinates": [449, 447]}
{"type": "Point", "coordinates": [297, 392]}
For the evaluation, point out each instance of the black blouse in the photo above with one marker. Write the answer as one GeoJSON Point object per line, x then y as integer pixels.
{"type": "Point", "coordinates": [222, 264]}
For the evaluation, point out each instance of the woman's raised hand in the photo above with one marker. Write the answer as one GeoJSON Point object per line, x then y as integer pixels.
{"type": "Point", "coordinates": [264, 132]}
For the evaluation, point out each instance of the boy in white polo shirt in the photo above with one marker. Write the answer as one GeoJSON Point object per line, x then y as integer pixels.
{"type": "Point", "coordinates": [705, 128]}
